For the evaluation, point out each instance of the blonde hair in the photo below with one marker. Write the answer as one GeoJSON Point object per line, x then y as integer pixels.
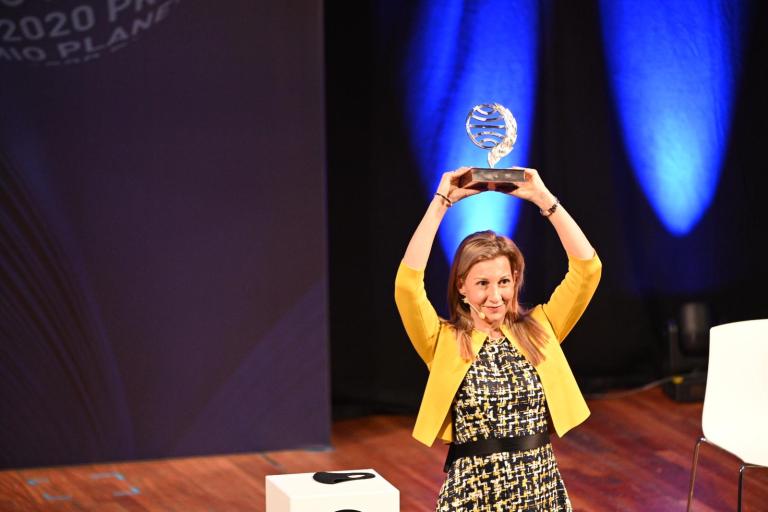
{"type": "Point", "coordinates": [482, 246]}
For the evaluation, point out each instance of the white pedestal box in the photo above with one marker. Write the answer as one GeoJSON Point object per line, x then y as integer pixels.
{"type": "Point", "coordinates": [300, 493]}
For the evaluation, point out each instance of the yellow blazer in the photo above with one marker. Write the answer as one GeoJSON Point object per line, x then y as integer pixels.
{"type": "Point", "coordinates": [435, 341]}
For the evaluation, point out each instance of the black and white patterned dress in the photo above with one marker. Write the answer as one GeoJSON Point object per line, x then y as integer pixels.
{"type": "Point", "coordinates": [501, 396]}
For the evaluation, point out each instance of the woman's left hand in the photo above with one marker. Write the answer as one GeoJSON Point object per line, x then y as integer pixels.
{"type": "Point", "coordinates": [533, 189]}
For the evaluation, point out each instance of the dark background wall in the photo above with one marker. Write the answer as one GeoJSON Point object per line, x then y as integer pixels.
{"type": "Point", "coordinates": [377, 198]}
{"type": "Point", "coordinates": [162, 230]}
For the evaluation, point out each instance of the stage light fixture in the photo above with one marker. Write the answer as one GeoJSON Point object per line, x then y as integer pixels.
{"type": "Point", "coordinates": [687, 340]}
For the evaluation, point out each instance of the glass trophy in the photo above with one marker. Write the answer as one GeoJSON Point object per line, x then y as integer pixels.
{"type": "Point", "coordinates": [492, 127]}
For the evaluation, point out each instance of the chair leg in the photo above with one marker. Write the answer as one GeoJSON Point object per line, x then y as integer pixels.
{"type": "Point", "coordinates": [693, 473]}
{"type": "Point", "coordinates": [741, 486]}
{"type": "Point", "coordinates": [743, 467]}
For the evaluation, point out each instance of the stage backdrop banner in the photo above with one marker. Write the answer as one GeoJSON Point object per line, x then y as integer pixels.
{"type": "Point", "coordinates": [162, 229]}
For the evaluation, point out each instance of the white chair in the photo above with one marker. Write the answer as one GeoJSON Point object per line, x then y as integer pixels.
{"type": "Point", "coordinates": [735, 416]}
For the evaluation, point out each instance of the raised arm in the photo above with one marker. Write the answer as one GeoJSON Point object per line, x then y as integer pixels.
{"type": "Point", "coordinates": [417, 252]}
{"type": "Point", "coordinates": [571, 297]}
{"type": "Point", "coordinates": [419, 317]}
{"type": "Point", "coordinates": [571, 236]}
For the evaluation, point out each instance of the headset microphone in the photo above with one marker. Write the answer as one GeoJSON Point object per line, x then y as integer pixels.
{"type": "Point", "coordinates": [479, 313]}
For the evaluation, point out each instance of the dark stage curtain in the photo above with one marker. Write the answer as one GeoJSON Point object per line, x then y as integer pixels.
{"type": "Point", "coordinates": [377, 198]}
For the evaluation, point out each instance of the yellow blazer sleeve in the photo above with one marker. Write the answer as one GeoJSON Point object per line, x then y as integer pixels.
{"type": "Point", "coordinates": [419, 317]}
{"type": "Point", "coordinates": [570, 298]}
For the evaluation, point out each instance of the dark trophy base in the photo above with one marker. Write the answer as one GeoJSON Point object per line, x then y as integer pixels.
{"type": "Point", "coordinates": [487, 178]}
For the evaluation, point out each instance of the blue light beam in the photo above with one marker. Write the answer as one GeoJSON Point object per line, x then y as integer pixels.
{"type": "Point", "coordinates": [461, 56]}
{"type": "Point", "coordinates": [673, 69]}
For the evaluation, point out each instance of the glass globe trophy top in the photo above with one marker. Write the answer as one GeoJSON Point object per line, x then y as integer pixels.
{"type": "Point", "coordinates": [492, 127]}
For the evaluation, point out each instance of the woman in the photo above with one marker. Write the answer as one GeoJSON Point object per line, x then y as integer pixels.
{"type": "Point", "coordinates": [496, 369]}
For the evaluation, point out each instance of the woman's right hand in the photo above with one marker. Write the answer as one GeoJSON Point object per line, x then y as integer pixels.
{"type": "Point", "coordinates": [449, 188]}
{"type": "Point", "coordinates": [417, 252]}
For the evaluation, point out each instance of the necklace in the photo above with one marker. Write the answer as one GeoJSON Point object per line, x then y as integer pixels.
{"type": "Point", "coordinates": [490, 337]}
{"type": "Point", "coordinates": [496, 340]}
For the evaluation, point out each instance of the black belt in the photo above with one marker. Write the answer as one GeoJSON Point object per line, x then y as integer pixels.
{"type": "Point", "coordinates": [495, 445]}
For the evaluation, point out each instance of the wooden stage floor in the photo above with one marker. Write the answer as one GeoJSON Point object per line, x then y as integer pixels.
{"type": "Point", "coordinates": [633, 454]}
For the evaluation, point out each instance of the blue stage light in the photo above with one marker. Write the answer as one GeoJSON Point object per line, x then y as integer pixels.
{"type": "Point", "coordinates": [463, 55]}
{"type": "Point", "coordinates": [672, 66]}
